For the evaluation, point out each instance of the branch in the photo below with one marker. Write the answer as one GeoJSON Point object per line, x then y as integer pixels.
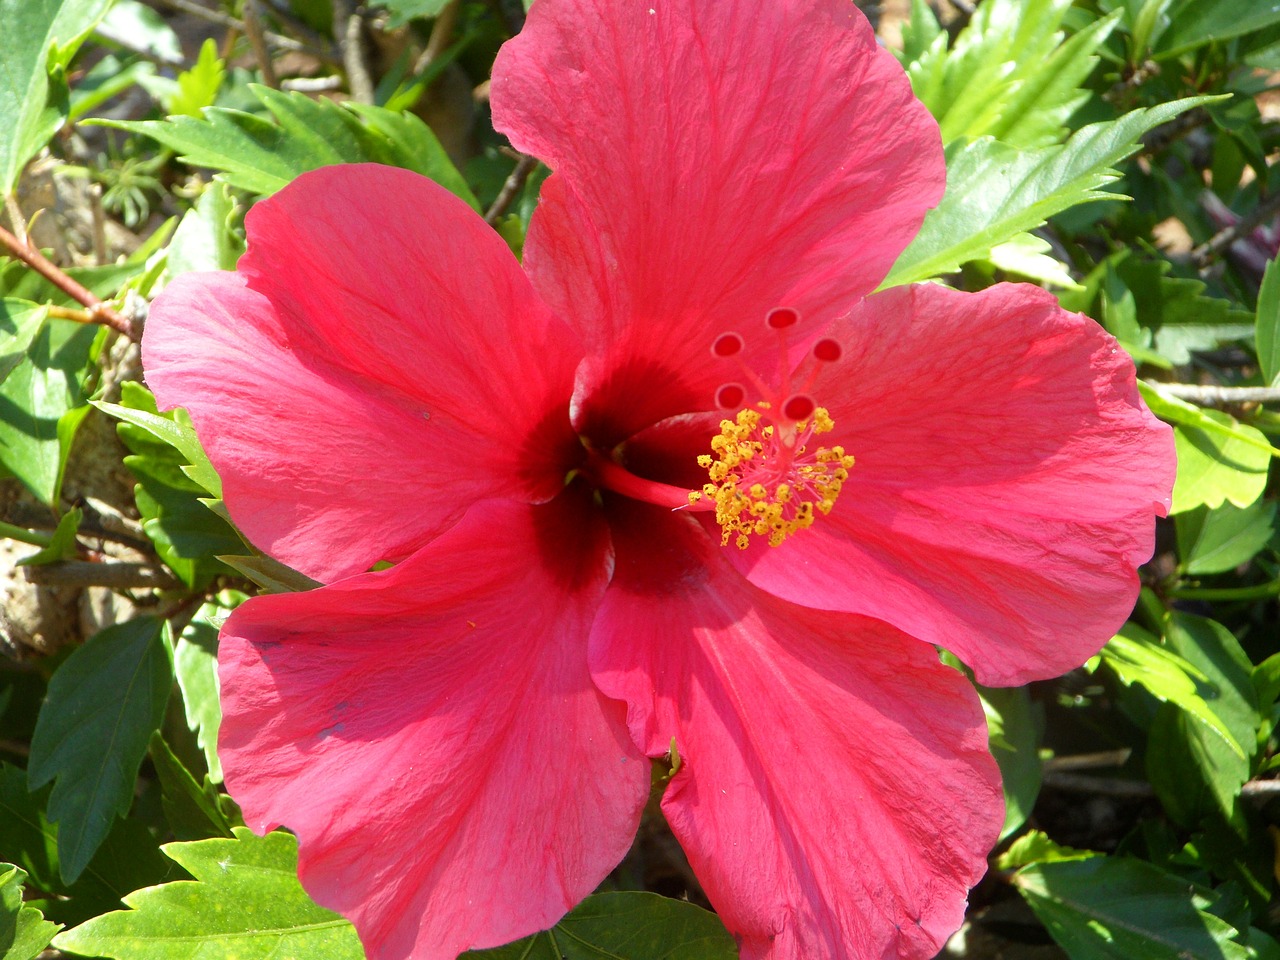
{"type": "Point", "coordinates": [116, 576]}
{"type": "Point", "coordinates": [1212, 396]}
{"type": "Point", "coordinates": [1224, 238]}
{"type": "Point", "coordinates": [1140, 789]}
{"type": "Point", "coordinates": [231, 23]}
{"type": "Point", "coordinates": [258, 41]}
{"type": "Point", "coordinates": [510, 189]}
{"type": "Point", "coordinates": [348, 25]}
{"type": "Point", "coordinates": [98, 312]}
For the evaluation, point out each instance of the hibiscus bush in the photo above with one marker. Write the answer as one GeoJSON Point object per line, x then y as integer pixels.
{"type": "Point", "coordinates": [639, 479]}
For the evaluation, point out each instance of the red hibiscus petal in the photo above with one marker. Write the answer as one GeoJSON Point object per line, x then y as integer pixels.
{"type": "Point", "coordinates": [382, 325]}
{"type": "Point", "coordinates": [713, 161]}
{"type": "Point", "coordinates": [1005, 484]}
{"type": "Point", "coordinates": [432, 735]}
{"type": "Point", "coordinates": [836, 797]}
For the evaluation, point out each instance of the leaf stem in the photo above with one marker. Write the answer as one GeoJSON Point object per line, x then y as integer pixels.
{"type": "Point", "coordinates": [98, 312]}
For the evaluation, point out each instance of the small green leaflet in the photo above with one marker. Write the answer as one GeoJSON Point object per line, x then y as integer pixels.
{"type": "Point", "coordinates": [1119, 908]}
{"type": "Point", "coordinates": [203, 240]}
{"type": "Point", "coordinates": [1194, 23]}
{"type": "Point", "coordinates": [260, 156]}
{"type": "Point", "coordinates": [62, 545]}
{"type": "Point", "coordinates": [245, 904]}
{"type": "Point", "coordinates": [625, 926]}
{"type": "Point", "coordinates": [996, 191]}
{"type": "Point", "coordinates": [103, 702]}
{"type": "Point", "coordinates": [23, 931]}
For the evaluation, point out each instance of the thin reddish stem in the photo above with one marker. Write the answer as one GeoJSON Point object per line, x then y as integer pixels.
{"type": "Point", "coordinates": [613, 476]}
{"type": "Point", "coordinates": [99, 312]}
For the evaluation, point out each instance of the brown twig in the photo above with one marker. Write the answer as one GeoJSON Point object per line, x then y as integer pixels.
{"type": "Point", "coordinates": [16, 219]}
{"type": "Point", "coordinates": [115, 576]}
{"type": "Point", "coordinates": [1224, 238]}
{"type": "Point", "coordinates": [278, 40]}
{"type": "Point", "coordinates": [348, 25]}
{"type": "Point", "coordinates": [99, 312]}
{"type": "Point", "coordinates": [99, 224]}
{"type": "Point", "coordinates": [1213, 396]}
{"type": "Point", "coordinates": [510, 189]}
{"type": "Point", "coordinates": [441, 34]}
{"type": "Point", "coordinates": [1139, 789]}
{"type": "Point", "coordinates": [258, 42]}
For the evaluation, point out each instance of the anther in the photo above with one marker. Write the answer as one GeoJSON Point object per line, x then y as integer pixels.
{"type": "Point", "coordinates": [727, 345]}
{"type": "Point", "coordinates": [730, 396]}
{"type": "Point", "coordinates": [781, 317]}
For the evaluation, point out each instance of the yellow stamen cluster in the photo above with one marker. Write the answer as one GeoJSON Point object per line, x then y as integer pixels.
{"type": "Point", "coordinates": [761, 487]}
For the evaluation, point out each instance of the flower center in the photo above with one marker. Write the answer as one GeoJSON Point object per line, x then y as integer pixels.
{"type": "Point", "coordinates": [764, 480]}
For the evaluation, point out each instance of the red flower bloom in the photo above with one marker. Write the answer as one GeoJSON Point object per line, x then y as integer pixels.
{"type": "Point", "coordinates": [460, 741]}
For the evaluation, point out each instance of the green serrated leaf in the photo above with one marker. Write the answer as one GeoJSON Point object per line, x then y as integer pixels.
{"type": "Point", "coordinates": [103, 703]}
{"type": "Point", "coordinates": [1215, 541]}
{"type": "Point", "coordinates": [198, 87]}
{"type": "Point", "coordinates": [1010, 74]}
{"type": "Point", "coordinates": [127, 859]}
{"type": "Point", "coordinates": [1119, 908]}
{"type": "Point", "coordinates": [29, 116]}
{"type": "Point", "coordinates": [191, 809]}
{"type": "Point", "coordinates": [1267, 325]}
{"type": "Point", "coordinates": [625, 926]}
{"type": "Point", "coordinates": [1137, 657]}
{"type": "Point", "coordinates": [24, 932]}
{"type": "Point", "coordinates": [62, 545]}
{"type": "Point", "coordinates": [203, 240]}
{"type": "Point", "coordinates": [173, 428]}
{"type": "Point", "coordinates": [996, 191]}
{"type": "Point", "coordinates": [20, 321]}
{"type": "Point", "coordinates": [260, 156]}
{"type": "Point", "coordinates": [245, 901]}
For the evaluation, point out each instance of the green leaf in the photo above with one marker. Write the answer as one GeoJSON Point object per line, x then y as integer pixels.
{"type": "Point", "coordinates": [191, 809]}
{"type": "Point", "coordinates": [35, 396]}
{"type": "Point", "coordinates": [245, 901]}
{"type": "Point", "coordinates": [20, 321]}
{"type": "Point", "coordinates": [127, 859]}
{"type": "Point", "coordinates": [996, 191]}
{"type": "Point", "coordinates": [1267, 325]}
{"type": "Point", "coordinates": [1015, 744]}
{"type": "Point", "coordinates": [1009, 75]}
{"type": "Point", "coordinates": [1215, 541]}
{"type": "Point", "coordinates": [270, 574]}
{"type": "Point", "coordinates": [260, 156]}
{"type": "Point", "coordinates": [1037, 847]}
{"type": "Point", "coordinates": [23, 931]}
{"type": "Point", "coordinates": [203, 240]}
{"type": "Point", "coordinates": [172, 427]}
{"type": "Point", "coordinates": [625, 926]}
{"type": "Point", "coordinates": [198, 87]}
{"type": "Point", "coordinates": [1119, 908]}
{"type": "Point", "coordinates": [1137, 657]}
{"type": "Point", "coordinates": [33, 29]}
{"type": "Point", "coordinates": [1193, 23]}
{"type": "Point", "coordinates": [195, 661]}
{"type": "Point", "coordinates": [403, 11]}
{"type": "Point", "coordinates": [62, 545]}
{"type": "Point", "coordinates": [103, 703]}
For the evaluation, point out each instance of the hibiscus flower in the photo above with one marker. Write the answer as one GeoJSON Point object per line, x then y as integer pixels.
{"type": "Point", "coordinates": [681, 483]}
